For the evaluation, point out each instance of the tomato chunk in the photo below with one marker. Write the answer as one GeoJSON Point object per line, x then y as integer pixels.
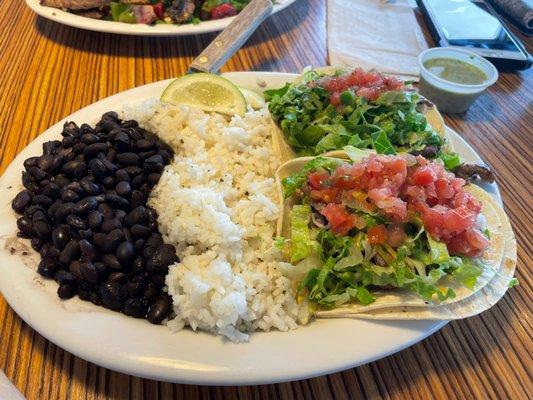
{"type": "Point", "coordinates": [377, 234]}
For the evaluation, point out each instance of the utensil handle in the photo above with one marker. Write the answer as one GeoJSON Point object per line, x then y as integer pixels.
{"type": "Point", "coordinates": [233, 37]}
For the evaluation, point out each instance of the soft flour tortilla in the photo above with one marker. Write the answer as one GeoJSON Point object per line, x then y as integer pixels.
{"type": "Point", "coordinates": [482, 298]}
{"type": "Point", "coordinates": [286, 153]}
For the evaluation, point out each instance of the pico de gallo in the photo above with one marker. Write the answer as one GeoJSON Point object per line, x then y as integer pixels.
{"type": "Point", "coordinates": [381, 221]}
{"type": "Point", "coordinates": [365, 109]}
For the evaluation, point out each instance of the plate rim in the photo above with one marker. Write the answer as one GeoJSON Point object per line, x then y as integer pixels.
{"type": "Point", "coordinates": [184, 375]}
{"type": "Point", "coordinates": [80, 22]}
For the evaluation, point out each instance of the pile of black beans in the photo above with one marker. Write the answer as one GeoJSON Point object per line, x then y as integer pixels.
{"type": "Point", "coordinates": [84, 209]}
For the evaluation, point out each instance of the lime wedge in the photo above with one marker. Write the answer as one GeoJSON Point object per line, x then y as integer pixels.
{"type": "Point", "coordinates": [253, 99]}
{"type": "Point", "coordinates": [208, 92]}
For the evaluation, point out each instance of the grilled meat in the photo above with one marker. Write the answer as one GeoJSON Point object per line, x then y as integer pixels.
{"type": "Point", "coordinates": [76, 4]}
{"type": "Point", "coordinates": [471, 172]}
{"type": "Point", "coordinates": [181, 10]}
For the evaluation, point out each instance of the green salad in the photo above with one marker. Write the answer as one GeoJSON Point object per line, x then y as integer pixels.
{"type": "Point", "coordinates": [366, 110]}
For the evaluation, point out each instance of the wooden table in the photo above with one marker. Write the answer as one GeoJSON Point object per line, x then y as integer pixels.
{"type": "Point", "coordinates": [48, 71]}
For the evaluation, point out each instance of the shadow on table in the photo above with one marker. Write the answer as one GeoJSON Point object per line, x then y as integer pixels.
{"type": "Point", "coordinates": [278, 24]}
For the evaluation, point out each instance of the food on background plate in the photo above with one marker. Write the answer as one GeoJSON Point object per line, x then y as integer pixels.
{"type": "Point", "coordinates": [386, 231]}
{"type": "Point", "coordinates": [150, 12]}
{"type": "Point", "coordinates": [327, 109]}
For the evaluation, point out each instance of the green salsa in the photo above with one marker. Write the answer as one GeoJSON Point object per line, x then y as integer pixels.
{"type": "Point", "coordinates": [456, 71]}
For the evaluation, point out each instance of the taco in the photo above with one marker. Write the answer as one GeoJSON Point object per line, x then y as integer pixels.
{"type": "Point", "coordinates": [389, 237]}
{"type": "Point", "coordinates": [328, 108]}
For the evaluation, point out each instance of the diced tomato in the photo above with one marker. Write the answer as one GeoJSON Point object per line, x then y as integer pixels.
{"type": "Point", "coordinates": [470, 243]}
{"type": "Point", "coordinates": [340, 220]}
{"type": "Point", "coordinates": [335, 98]}
{"type": "Point", "coordinates": [159, 10]}
{"type": "Point", "coordinates": [326, 195]}
{"type": "Point", "coordinates": [222, 11]}
{"type": "Point", "coordinates": [423, 176]}
{"type": "Point", "coordinates": [444, 189]}
{"type": "Point", "coordinates": [318, 179]}
{"type": "Point", "coordinates": [377, 234]}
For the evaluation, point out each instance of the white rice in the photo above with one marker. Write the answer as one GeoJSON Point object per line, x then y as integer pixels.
{"type": "Point", "coordinates": [217, 203]}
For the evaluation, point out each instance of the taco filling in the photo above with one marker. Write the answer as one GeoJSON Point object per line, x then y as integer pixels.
{"type": "Point", "coordinates": [378, 223]}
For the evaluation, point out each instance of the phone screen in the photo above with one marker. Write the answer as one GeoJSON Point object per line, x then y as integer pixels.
{"type": "Point", "coordinates": [470, 24]}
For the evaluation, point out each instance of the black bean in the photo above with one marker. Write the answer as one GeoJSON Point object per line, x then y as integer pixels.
{"type": "Point", "coordinates": [117, 201]}
{"type": "Point", "coordinates": [121, 140]}
{"type": "Point", "coordinates": [75, 186]}
{"type": "Point", "coordinates": [134, 308]}
{"type": "Point", "coordinates": [154, 163]}
{"type": "Point", "coordinates": [137, 181]}
{"type": "Point", "coordinates": [69, 196]}
{"type": "Point", "coordinates": [140, 231]}
{"type": "Point", "coordinates": [63, 276]}
{"type": "Point", "coordinates": [101, 269]}
{"type": "Point", "coordinates": [114, 238]}
{"type": "Point", "coordinates": [153, 178]}
{"type": "Point", "coordinates": [66, 291]}
{"type": "Point", "coordinates": [111, 261]}
{"type": "Point", "coordinates": [51, 190]}
{"type": "Point", "coordinates": [30, 162]}
{"type": "Point", "coordinates": [110, 115]}
{"type": "Point", "coordinates": [94, 219]}
{"type": "Point", "coordinates": [36, 244]}
{"type": "Point", "coordinates": [75, 168]}
{"type": "Point", "coordinates": [21, 201]}
{"type": "Point", "coordinates": [37, 173]}
{"type": "Point", "coordinates": [160, 309]}
{"type": "Point", "coordinates": [98, 168]}
{"type": "Point", "coordinates": [125, 252]}
{"type": "Point", "coordinates": [85, 128]}
{"type": "Point", "coordinates": [139, 244]}
{"type": "Point", "coordinates": [139, 215]}
{"type": "Point", "coordinates": [128, 158]}
{"type": "Point", "coordinates": [155, 240]}
{"type": "Point", "coordinates": [123, 189]}
{"type": "Point", "coordinates": [89, 138]}
{"type": "Point", "coordinates": [47, 267]}
{"type": "Point", "coordinates": [78, 148]}
{"type": "Point", "coordinates": [137, 266]}
{"type": "Point", "coordinates": [41, 229]}
{"type": "Point", "coordinates": [45, 249]}
{"type": "Point", "coordinates": [429, 151]}
{"type": "Point", "coordinates": [130, 124]}
{"type": "Point", "coordinates": [137, 198]}
{"type": "Point", "coordinates": [113, 295]}
{"type": "Point", "coordinates": [127, 234]}
{"type": "Point", "coordinates": [158, 280]}
{"type": "Point", "coordinates": [70, 128]}
{"type": "Point", "coordinates": [94, 149]}
{"type": "Point", "coordinates": [86, 205]}
{"type": "Point", "coordinates": [42, 200]}
{"type": "Point", "coordinates": [146, 154]}
{"type": "Point", "coordinates": [100, 240]}
{"type": "Point", "coordinates": [144, 145]}
{"type": "Point", "coordinates": [62, 211]}
{"type": "Point", "coordinates": [38, 215]}
{"type": "Point", "coordinates": [106, 210]}
{"type": "Point", "coordinates": [61, 236]}
{"type": "Point", "coordinates": [57, 163]}
{"type": "Point", "coordinates": [122, 175]}
{"type": "Point", "coordinates": [45, 162]}
{"type": "Point", "coordinates": [51, 146]}
{"type": "Point", "coordinates": [68, 142]}
{"type": "Point", "coordinates": [166, 155]}
{"type": "Point", "coordinates": [61, 181]}
{"type": "Point", "coordinates": [117, 277]}
{"type": "Point", "coordinates": [109, 225]}
{"type": "Point", "coordinates": [163, 256]}
{"type": "Point", "coordinates": [89, 273]}
{"type": "Point", "coordinates": [76, 222]}
{"type": "Point", "coordinates": [135, 286]}
{"type": "Point", "coordinates": [120, 215]}
{"type": "Point", "coordinates": [94, 297]}
{"type": "Point", "coordinates": [133, 170]}
{"type": "Point", "coordinates": [109, 125]}
{"type": "Point", "coordinates": [69, 253]}
{"type": "Point", "coordinates": [88, 252]}
{"type": "Point", "coordinates": [109, 182]}
{"type": "Point", "coordinates": [84, 294]}
{"type": "Point", "coordinates": [90, 188]}
{"type": "Point", "coordinates": [25, 226]}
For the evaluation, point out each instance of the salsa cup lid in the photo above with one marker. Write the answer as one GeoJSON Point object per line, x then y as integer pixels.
{"type": "Point", "coordinates": [462, 55]}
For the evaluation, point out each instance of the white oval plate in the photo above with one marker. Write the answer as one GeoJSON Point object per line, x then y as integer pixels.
{"type": "Point", "coordinates": [77, 21]}
{"type": "Point", "coordinates": [136, 347]}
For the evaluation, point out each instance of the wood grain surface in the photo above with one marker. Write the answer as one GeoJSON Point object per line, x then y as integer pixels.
{"type": "Point", "coordinates": [48, 71]}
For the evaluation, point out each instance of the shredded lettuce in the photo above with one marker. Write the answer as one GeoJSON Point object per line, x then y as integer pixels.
{"type": "Point", "coordinates": [512, 282]}
{"type": "Point", "coordinates": [302, 245]}
{"type": "Point", "coordinates": [294, 182]}
{"type": "Point", "coordinates": [311, 125]}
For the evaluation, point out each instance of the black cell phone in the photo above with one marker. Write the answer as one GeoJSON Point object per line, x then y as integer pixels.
{"type": "Point", "coordinates": [474, 25]}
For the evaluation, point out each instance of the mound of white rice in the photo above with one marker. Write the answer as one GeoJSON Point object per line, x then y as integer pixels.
{"type": "Point", "coordinates": [217, 203]}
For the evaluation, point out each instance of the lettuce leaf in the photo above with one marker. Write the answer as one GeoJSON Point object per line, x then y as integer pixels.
{"type": "Point", "coordinates": [302, 245]}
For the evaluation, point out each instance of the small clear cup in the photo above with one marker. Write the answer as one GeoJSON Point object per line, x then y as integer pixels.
{"type": "Point", "coordinates": [452, 97]}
